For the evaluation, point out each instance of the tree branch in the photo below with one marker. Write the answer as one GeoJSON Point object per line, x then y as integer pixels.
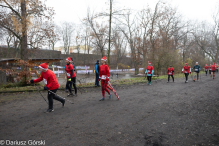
{"type": "Point", "coordinates": [13, 9]}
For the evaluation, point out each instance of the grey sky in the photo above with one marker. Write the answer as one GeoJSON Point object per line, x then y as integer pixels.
{"type": "Point", "coordinates": [73, 11]}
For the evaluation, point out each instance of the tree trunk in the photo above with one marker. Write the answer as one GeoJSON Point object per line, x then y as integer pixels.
{"type": "Point", "coordinates": [24, 50]}
{"type": "Point", "coordinates": [109, 32]}
{"type": "Point", "coordinates": [216, 57]}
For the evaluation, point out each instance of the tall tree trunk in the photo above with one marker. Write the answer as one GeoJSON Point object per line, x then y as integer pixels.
{"type": "Point", "coordinates": [24, 50]}
{"type": "Point", "coordinates": [110, 31]}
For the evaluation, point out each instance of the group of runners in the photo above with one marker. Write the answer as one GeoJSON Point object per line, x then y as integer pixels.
{"type": "Point", "coordinates": [186, 70]}
{"type": "Point", "coordinates": [103, 75]}
{"type": "Point", "coordinates": [52, 85]}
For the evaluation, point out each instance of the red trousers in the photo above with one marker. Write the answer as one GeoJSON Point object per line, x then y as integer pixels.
{"type": "Point", "coordinates": [104, 84]}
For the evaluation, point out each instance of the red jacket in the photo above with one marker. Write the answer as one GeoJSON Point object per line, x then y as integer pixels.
{"type": "Point", "coordinates": [104, 71]}
{"type": "Point", "coordinates": [206, 68]}
{"type": "Point", "coordinates": [49, 79]}
{"type": "Point", "coordinates": [68, 69]}
{"type": "Point", "coordinates": [149, 69]}
{"type": "Point", "coordinates": [186, 69]}
{"type": "Point", "coordinates": [170, 70]}
{"type": "Point", "coordinates": [213, 67]}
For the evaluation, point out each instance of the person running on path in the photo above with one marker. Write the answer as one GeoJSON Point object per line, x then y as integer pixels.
{"type": "Point", "coordinates": [71, 76]}
{"type": "Point", "coordinates": [51, 83]}
{"type": "Point", "coordinates": [197, 69]}
{"type": "Point", "coordinates": [97, 69]}
{"type": "Point", "coordinates": [186, 70]}
{"type": "Point", "coordinates": [206, 69]}
{"type": "Point", "coordinates": [170, 73]}
{"type": "Point", "coordinates": [213, 68]}
{"type": "Point", "coordinates": [66, 87]}
{"type": "Point", "coordinates": [149, 71]}
{"type": "Point", "coordinates": [104, 77]}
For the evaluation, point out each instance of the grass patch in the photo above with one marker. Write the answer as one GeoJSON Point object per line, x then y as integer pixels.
{"type": "Point", "coordinates": [15, 87]}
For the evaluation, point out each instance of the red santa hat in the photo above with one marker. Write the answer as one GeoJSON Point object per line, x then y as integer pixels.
{"type": "Point", "coordinates": [68, 59]}
{"type": "Point", "coordinates": [149, 62]}
{"type": "Point", "coordinates": [214, 63]}
{"type": "Point", "coordinates": [104, 58]}
{"type": "Point", "coordinates": [186, 63]}
{"type": "Point", "coordinates": [206, 64]}
{"type": "Point", "coordinates": [43, 66]}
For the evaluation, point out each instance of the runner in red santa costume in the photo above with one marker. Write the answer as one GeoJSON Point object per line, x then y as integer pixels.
{"type": "Point", "coordinates": [186, 70]}
{"type": "Point", "coordinates": [51, 84]}
{"type": "Point", "coordinates": [71, 76]}
{"type": "Point", "coordinates": [104, 76]}
{"type": "Point", "coordinates": [206, 69]}
{"type": "Point", "coordinates": [149, 71]}
{"type": "Point", "coordinates": [213, 68]}
{"type": "Point", "coordinates": [170, 73]}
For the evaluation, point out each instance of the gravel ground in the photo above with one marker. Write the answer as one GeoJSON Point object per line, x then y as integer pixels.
{"type": "Point", "coordinates": [163, 114]}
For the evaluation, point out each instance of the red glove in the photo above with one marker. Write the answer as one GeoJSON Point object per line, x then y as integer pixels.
{"type": "Point", "coordinates": [99, 79]}
{"type": "Point", "coordinates": [182, 71]}
{"type": "Point", "coordinates": [190, 73]}
{"type": "Point", "coordinates": [107, 79]}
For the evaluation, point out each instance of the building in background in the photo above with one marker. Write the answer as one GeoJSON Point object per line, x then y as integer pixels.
{"type": "Point", "coordinates": [75, 49]}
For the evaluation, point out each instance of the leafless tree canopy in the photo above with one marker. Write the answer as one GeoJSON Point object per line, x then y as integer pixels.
{"type": "Point", "coordinates": [158, 34]}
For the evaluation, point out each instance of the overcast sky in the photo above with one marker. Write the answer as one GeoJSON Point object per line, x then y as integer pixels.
{"type": "Point", "coordinates": [74, 10]}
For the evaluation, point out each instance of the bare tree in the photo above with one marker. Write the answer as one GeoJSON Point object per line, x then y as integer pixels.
{"type": "Point", "coordinates": [98, 34]}
{"type": "Point", "coordinates": [20, 14]}
{"type": "Point", "coordinates": [66, 32]}
{"type": "Point", "coordinates": [129, 29]}
{"type": "Point", "coordinates": [216, 33]}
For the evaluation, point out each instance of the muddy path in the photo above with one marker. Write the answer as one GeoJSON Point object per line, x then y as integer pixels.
{"type": "Point", "coordinates": [163, 114]}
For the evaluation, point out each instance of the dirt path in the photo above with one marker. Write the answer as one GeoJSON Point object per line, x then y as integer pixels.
{"type": "Point", "coordinates": [163, 114]}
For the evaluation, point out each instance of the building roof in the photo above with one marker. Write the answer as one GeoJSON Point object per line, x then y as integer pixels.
{"type": "Point", "coordinates": [14, 60]}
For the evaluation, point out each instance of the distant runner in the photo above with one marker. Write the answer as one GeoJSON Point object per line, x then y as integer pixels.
{"type": "Point", "coordinates": [213, 68]}
{"type": "Point", "coordinates": [186, 70]}
{"type": "Point", "coordinates": [206, 69]}
{"type": "Point", "coordinates": [149, 71]}
{"type": "Point", "coordinates": [170, 73]}
{"type": "Point", "coordinates": [197, 69]}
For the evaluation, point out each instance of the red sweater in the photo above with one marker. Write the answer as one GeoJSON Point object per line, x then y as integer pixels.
{"type": "Point", "coordinates": [186, 69]}
{"type": "Point", "coordinates": [104, 71]}
{"type": "Point", "coordinates": [213, 67]}
{"type": "Point", "coordinates": [68, 69]}
{"type": "Point", "coordinates": [206, 68]}
{"type": "Point", "coordinates": [170, 70]}
{"type": "Point", "coordinates": [149, 69]}
{"type": "Point", "coordinates": [49, 79]}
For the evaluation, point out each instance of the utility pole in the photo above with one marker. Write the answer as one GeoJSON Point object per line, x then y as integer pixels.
{"type": "Point", "coordinates": [109, 31]}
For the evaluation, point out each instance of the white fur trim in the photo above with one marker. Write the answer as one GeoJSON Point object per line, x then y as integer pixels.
{"type": "Point", "coordinates": [68, 60]}
{"type": "Point", "coordinates": [43, 68]}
